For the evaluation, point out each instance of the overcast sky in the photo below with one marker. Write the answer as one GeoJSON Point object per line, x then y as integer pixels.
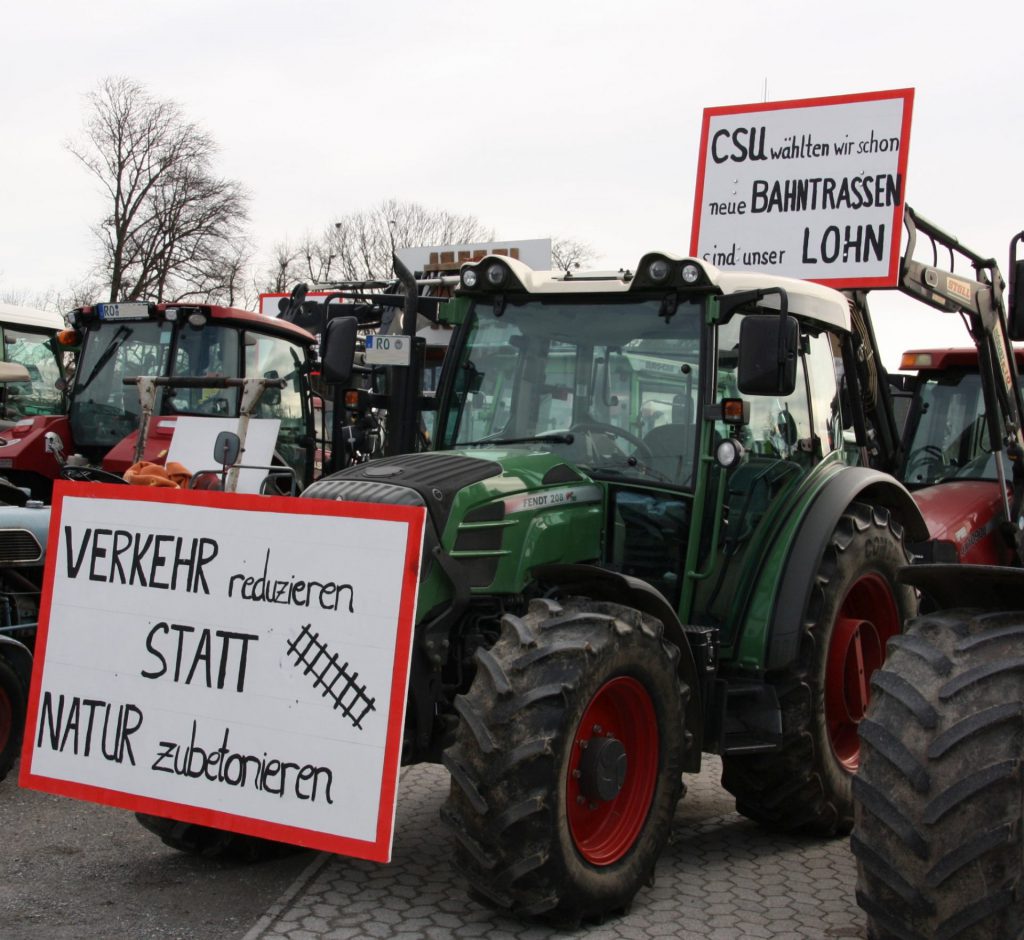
{"type": "Point", "coordinates": [579, 119]}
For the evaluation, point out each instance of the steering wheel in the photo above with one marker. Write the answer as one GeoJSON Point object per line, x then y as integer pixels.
{"type": "Point", "coordinates": [612, 431]}
{"type": "Point", "coordinates": [214, 405]}
{"type": "Point", "coordinates": [643, 452]}
{"type": "Point", "coordinates": [90, 475]}
{"type": "Point", "coordinates": [930, 460]}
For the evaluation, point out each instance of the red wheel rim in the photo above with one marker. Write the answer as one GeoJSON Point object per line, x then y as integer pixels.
{"type": "Point", "coordinates": [867, 618]}
{"type": "Point", "coordinates": [621, 719]}
{"type": "Point", "coordinates": [6, 718]}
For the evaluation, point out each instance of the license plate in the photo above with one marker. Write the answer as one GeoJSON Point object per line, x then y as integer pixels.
{"type": "Point", "coordinates": [388, 350]}
{"type": "Point", "coordinates": [132, 310]}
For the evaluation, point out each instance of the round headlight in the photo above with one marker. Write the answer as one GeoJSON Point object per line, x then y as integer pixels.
{"type": "Point", "coordinates": [658, 270]}
{"type": "Point", "coordinates": [691, 273]}
{"type": "Point", "coordinates": [196, 319]}
{"type": "Point", "coordinates": [729, 452]}
{"type": "Point", "coordinates": [171, 314]}
{"type": "Point", "coordinates": [470, 277]}
{"type": "Point", "coordinates": [497, 274]}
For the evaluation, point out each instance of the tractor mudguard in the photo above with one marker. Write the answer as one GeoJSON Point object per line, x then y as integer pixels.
{"type": "Point", "coordinates": [602, 584]}
{"type": "Point", "coordinates": [19, 657]}
{"type": "Point", "coordinates": [869, 486]}
{"type": "Point", "coordinates": [985, 587]}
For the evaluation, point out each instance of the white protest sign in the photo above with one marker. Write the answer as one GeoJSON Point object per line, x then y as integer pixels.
{"type": "Point", "coordinates": [812, 189]}
{"type": "Point", "coordinates": [235, 661]}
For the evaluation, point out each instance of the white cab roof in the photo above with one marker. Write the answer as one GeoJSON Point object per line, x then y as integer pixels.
{"type": "Point", "coordinates": [806, 299]}
{"type": "Point", "coordinates": [30, 317]}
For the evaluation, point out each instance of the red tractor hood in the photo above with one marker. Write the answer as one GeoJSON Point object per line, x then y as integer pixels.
{"type": "Point", "coordinates": [967, 513]}
{"type": "Point", "coordinates": [122, 455]}
{"type": "Point", "coordinates": [22, 446]}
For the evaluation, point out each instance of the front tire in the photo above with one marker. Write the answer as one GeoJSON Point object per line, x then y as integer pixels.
{"type": "Point", "coordinates": [12, 716]}
{"type": "Point", "coordinates": [938, 794]}
{"type": "Point", "coordinates": [208, 842]}
{"type": "Point", "coordinates": [566, 768]}
{"type": "Point", "coordinates": [855, 606]}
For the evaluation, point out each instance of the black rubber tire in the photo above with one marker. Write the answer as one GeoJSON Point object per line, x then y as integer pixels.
{"type": "Point", "coordinates": [511, 762]}
{"type": "Point", "coordinates": [207, 842]}
{"type": "Point", "coordinates": [13, 701]}
{"type": "Point", "coordinates": [804, 786]}
{"type": "Point", "coordinates": [939, 797]}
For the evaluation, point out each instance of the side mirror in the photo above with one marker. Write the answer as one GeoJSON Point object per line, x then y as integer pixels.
{"type": "Point", "coordinates": [13, 372]}
{"type": "Point", "coordinates": [338, 350]}
{"type": "Point", "coordinates": [271, 397]}
{"type": "Point", "coordinates": [767, 355]}
{"type": "Point", "coordinates": [226, 448]}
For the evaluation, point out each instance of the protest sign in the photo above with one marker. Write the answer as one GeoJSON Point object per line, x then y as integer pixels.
{"type": "Point", "coordinates": [235, 661]}
{"type": "Point", "coordinates": [812, 189]}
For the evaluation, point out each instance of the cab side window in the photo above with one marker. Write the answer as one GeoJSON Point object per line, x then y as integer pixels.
{"type": "Point", "coordinates": [780, 426]}
{"type": "Point", "coordinates": [827, 420]}
{"type": "Point", "coordinates": [272, 358]}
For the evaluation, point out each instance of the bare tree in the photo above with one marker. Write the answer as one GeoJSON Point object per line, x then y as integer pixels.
{"type": "Point", "coordinates": [283, 271]}
{"type": "Point", "coordinates": [359, 246]}
{"type": "Point", "coordinates": [567, 254]}
{"type": "Point", "coordinates": [174, 228]}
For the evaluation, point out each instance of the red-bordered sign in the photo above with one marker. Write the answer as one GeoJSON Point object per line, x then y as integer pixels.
{"type": "Point", "coordinates": [234, 661]}
{"type": "Point", "coordinates": [813, 188]}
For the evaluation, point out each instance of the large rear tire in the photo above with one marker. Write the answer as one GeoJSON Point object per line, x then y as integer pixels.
{"type": "Point", "coordinates": [567, 764]}
{"type": "Point", "coordinates": [855, 606]}
{"type": "Point", "coordinates": [938, 794]}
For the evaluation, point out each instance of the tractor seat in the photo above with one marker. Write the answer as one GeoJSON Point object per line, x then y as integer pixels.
{"type": "Point", "coordinates": [671, 447]}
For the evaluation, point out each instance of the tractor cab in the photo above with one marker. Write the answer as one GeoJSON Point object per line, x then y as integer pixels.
{"type": "Point", "coordinates": [29, 339]}
{"type": "Point", "coordinates": [948, 460]}
{"type": "Point", "coordinates": [658, 386]}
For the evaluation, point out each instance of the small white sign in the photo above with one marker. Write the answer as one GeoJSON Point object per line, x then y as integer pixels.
{"type": "Point", "coordinates": [812, 189]}
{"type": "Point", "coordinates": [388, 350]}
{"type": "Point", "coordinates": [435, 259]}
{"type": "Point", "coordinates": [194, 437]}
{"type": "Point", "coordinates": [234, 661]}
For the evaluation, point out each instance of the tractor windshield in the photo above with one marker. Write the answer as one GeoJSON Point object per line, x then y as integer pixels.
{"type": "Point", "coordinates": [609, 383]}
{"type": "Point", "coordinates": [947, 437]}
{"type": "Point", "coordinates": [104, 410]}
{"type": "Point", "coordinates": [36, 351]}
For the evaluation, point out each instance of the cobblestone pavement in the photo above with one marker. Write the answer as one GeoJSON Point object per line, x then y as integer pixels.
{"type": "Point", "coordinates": [720, 878]}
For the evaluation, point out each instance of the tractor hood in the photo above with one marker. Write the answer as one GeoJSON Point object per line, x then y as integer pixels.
{"type": "Point", "coordinates": [495, 512]}
{"type": "Point", "coordinates": [966, 513]}
{"type": "Point", "coordinates": [435, 478]}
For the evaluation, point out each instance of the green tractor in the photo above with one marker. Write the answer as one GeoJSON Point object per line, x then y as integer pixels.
{"type": "Point", "coordinates": [656, 528]}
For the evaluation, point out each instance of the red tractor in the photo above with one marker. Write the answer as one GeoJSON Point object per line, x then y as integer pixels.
{"type": "Point", "coordinates": [166, 341]}
{"type": "Point", "coordinates": [938, 794]}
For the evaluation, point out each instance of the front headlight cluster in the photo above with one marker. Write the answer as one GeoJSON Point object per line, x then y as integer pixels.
{"type": "Point", "coordinates": [657, 270]}
{"type": "Point", "coordinates": [489, 274]}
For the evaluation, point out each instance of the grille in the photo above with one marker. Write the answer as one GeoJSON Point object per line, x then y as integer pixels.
{"type": "Point", "coordinates": [19, 545]}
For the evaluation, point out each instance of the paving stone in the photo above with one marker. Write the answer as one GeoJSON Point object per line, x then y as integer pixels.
{"type": "Point", "coordinates": [721, 877]}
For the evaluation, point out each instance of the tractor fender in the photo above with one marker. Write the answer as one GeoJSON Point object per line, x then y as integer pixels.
{"type": "Point", "coordinates": [19, 657]}
{"type": "Point", "coordinates": [602, 584]}
{"type": "Point", "coordinates": [984, 587]}
{"type": "Point", "coordinates": [853, 483]}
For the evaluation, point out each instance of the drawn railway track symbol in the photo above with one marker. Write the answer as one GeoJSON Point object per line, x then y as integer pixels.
{"type": "Point", "coordinates": [333, 680]}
